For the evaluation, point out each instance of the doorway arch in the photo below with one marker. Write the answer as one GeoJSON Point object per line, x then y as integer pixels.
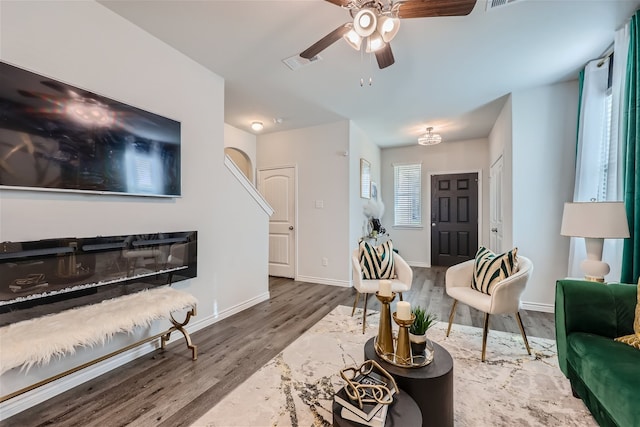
{"type": "Point", "coordinates": [242, 160]}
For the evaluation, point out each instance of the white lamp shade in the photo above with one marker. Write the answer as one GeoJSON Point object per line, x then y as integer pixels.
{"type": "Point", "coordinates": [606, 220]}
{"type": "Point", "coordinates": [353, 39]}
{"type": "Point", "coordinates": [374, 42]}
{"type": "Point", "coordinates": [365, 22]}
{"type": "Point", "coordinates": [388, 27]}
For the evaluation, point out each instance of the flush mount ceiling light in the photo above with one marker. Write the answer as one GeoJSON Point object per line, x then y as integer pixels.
{"type": "Point", "coordinates": [257, 126]}
{"type": "Point", "coordinates": [430, 138]}
{"type": "Point", "coordinates": [374, 23]}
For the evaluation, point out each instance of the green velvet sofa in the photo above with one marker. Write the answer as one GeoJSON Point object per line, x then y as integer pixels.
{"type": "Point", "coordinates": [604, 373]}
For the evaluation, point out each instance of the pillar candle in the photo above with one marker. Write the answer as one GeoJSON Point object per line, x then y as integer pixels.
{"type": "Point", "coordinates": [385, 288]}
{"type": "Point", "coordinates": [403, 310]}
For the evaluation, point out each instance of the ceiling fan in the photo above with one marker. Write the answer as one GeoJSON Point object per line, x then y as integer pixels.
{"type": "Point", "coordinates": [376, 22]}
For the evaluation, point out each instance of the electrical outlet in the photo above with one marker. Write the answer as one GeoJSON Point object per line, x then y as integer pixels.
{"type": "Point", "coordinates": [325, 262]}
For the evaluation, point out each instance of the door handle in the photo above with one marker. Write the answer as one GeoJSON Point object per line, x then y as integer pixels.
{"type": "Point", "coordinates": [433, 224]}
{"type": "Point", "coordinates": [494, 230]}
{"type": "Point", "coordinates": [291, 227]}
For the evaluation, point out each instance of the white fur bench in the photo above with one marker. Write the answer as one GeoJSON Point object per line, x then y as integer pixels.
{"type": "Point", "coordinates": [38, 341]}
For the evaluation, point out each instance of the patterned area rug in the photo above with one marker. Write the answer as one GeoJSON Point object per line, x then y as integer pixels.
{"type": "Point", "coordinates": [511, 389]}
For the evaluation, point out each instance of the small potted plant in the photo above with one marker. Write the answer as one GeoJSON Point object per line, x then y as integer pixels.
{"type": "Point", "coordinates": [419, 328]}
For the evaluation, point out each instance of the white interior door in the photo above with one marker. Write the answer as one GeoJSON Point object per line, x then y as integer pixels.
{"type": "Point", "coordinates": [278, 188]}
{"type": "Point", "coordinates": [496, 214]}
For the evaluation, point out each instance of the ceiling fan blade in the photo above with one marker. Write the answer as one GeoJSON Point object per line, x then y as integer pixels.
{"type": "Point", "coordinates": [326, 41]}
{"type": "Point", "coordinates": [339, 2]}
{"type": "Point", "coordinates": [427, 8]}
{"type": "Point", "coordinates": [385, 56]}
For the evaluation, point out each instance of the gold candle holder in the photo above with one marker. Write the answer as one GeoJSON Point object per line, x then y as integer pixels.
{"type": "Point", "coordinates": [384, 341]}
{"type": "Point", "coordinates": [403, 347]}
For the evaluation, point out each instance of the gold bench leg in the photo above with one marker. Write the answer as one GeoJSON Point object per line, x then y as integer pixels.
{"type": "Point", "coordinates": [177, 326]}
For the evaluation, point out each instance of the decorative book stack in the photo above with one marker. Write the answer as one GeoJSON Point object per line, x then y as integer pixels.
{"type": "Point", "coordinates": [371, 414]}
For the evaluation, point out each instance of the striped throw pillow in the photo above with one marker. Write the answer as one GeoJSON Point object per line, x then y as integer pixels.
{"type": "Point", "coordinates": [490, 268]}
{"type": "Point", "coordinates": [377, 261]}
{"type": "Point", "coordinates": [634, 339]}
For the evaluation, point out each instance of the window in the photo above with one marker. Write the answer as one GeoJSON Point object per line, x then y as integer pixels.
{"type": "Point", "coordinates": [407, 198]}
{"type": "Point", "coordinates": [608, 150]}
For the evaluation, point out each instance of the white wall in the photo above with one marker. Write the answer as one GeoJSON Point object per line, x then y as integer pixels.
{"type": "Point", "coordinates": [448, 157]}
{"type": "Point", "coordinates": [86, 45]}
{"type": "Point", "coordinates": [361, 147]}
{"type": "Point", "coordinates": [243, 141]}
{"type": "Point", "coordinates": [323, 174]}
{"type": "Point", "coordinates": [544, 141]}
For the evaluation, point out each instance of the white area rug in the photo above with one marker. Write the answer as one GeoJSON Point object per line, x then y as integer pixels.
{"type": "Point", "coordinates": [511, 389]}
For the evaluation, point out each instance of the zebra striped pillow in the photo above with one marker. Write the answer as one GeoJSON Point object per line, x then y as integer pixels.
{"type": "Point", "coordinates": [490, 268]}
{"type": "Point", "coordinates": [377, 261]}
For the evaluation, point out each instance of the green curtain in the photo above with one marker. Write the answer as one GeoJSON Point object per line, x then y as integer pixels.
{"type": "Point", "coordinates": [631, 251]}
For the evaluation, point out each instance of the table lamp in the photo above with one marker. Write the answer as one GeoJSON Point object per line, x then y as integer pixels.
{"type": "Point", "coordinates": [595, 221]}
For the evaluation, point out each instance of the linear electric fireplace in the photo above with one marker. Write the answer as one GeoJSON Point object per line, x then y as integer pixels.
{"type": "Point", "coordinates": [47, 276]}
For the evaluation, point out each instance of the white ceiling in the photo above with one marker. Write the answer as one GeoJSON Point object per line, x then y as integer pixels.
{"type": "Point", "coordinates": [451, 73]}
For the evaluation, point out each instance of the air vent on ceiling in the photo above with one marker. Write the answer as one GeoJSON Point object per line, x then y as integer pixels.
{"type": "Point", "coordinates": [297, 61]}
{"type": "Point", "coordinates": [492, 4]}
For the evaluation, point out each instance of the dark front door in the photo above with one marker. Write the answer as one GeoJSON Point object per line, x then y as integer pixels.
{"type": "Point", "coordinates": [454, 218]}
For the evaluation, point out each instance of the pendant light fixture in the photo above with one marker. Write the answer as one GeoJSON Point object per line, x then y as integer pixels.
{"type": "Point", "coordinates": [430, 138]}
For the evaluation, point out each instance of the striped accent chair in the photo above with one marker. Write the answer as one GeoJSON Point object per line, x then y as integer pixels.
{"type": "Point", "coordinates": [401, 282]}
{"type": "Point", "coordinates": [504, 297]}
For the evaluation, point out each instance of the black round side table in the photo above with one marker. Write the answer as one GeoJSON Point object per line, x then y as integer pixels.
{"type": "Point", "coordinates": [430, 386]}
{"type": "Point", "coordinates": [404, 412]}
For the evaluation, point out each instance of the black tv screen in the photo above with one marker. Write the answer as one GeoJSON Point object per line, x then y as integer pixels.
{"type": "Point", "coordinates": [58, 137]}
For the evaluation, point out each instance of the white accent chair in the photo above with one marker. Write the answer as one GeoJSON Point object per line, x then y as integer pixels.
{"type": "Point", "coordinates": [402, 282]}
{"type": "Point", "coordinates": [505, 298]}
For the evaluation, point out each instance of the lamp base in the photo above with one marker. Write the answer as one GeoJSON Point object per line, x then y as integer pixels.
{"type": "Point", "coordinates": [594, 270]}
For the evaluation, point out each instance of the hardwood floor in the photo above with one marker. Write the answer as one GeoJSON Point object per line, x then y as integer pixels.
{"type": "Point", "coordinates": [168, 389]}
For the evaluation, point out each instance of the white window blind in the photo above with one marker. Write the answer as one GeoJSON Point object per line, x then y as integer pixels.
{"type": "Point", "coordinates": [608, 155]}
{"type": "Point", "coordinates": [407, 199]}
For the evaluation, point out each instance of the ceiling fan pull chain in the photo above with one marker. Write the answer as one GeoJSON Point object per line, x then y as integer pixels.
{"type": "Point", "coordinates": [371, 69]}
{"type": "Point", "coordinates": [362, 67]}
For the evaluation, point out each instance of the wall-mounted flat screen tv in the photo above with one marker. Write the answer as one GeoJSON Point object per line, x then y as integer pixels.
{"type": "Point", "coordinates": [54, 136]}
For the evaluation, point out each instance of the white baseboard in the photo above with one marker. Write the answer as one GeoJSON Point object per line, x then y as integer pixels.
{"type": "Point", "coordinates": [419, 264]}
{"type": "Point", "coordinates": [324, 281]}
{"type": "Point", "coordinates": [536, 306]}
{"type": "Point", "coordinates": [210, 320]}
{"type": "Point", "coordinates": [31, 398]}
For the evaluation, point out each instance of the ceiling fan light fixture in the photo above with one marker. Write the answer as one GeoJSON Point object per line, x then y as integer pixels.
{"type": "Point", "coordinates": [430, 138]}
{"type": "Point", "coordinates": [365, 22]}
{"type": "Point", "coordinates": [257, 126]}
{"type": "Point", "coordinates": [375, 42]}
{"type": "Point", "coordinates": [353, 39]}
{"type": "Point", "coordinates": [388, 27]}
